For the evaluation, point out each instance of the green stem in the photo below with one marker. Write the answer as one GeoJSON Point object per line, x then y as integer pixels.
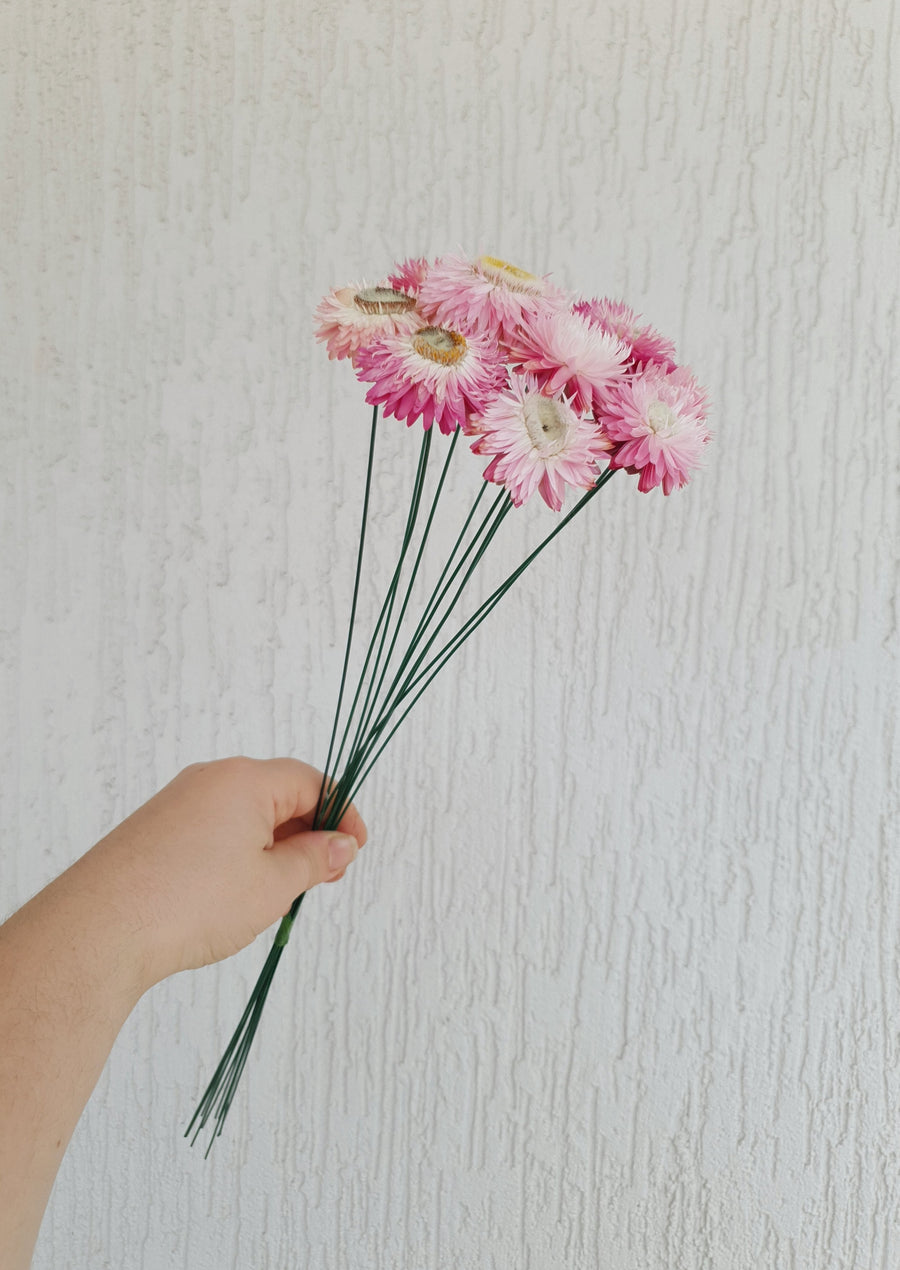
{"type": "Point", "coordinates": [367, 714]}
{"type": "Point", "coordinates": [359, 560]}
{"type": "Point", "coordinates": [438, 662]}
{"type": "Point", "coordinates": [476, 549]}
{"type": "Point", "coordinates": [381, 624]}
{"type": "Point", "coordinates": [444, 583]}
{"type": "Point", "coordinates": [494, 598]}
{"type": "Point", "coordinates": [219, 1094]}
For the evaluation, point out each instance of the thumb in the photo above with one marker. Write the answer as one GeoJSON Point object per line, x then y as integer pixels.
{"type": "Point", "coordinates": [306, 859]}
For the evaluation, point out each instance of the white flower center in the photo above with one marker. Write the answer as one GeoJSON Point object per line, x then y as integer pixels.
{"type": "Point", "coordinates": [383, 300]}
{"type": "Point", "coordinates": [437, 344]}
{"type": "Point", "coordinates": [663, 420]}
{"type": "Point", "coordinates": [627, 331]}
{"type": "Point", "coordinates": [547, 424]}
{"type": "Point", "coordinates": [506, 275]}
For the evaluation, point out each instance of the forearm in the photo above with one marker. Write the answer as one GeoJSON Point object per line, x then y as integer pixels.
{"type": "Point", "coordinates": [69, 977]}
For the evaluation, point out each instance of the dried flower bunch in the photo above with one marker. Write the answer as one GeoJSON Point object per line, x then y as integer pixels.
{"type": "Point", "coordinates": [555, 391]}
{"type": "Point", "coordinates": [547, 384]}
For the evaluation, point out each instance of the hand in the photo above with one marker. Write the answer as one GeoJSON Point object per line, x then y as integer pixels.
{"type": "Point", "coordinates": [195, 874]}
{"type": "Point", "coordinates": [216, 857]}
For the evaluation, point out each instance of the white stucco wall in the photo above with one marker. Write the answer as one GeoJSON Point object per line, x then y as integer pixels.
{"type": "Point", "coordinates": [616, 983]}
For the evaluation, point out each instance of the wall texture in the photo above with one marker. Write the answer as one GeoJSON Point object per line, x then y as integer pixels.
{"type": "Point", "coordinates": [617, 983]}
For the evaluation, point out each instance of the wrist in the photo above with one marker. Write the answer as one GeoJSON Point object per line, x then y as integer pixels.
{"type": "Point", "coordinates": [90, 913]}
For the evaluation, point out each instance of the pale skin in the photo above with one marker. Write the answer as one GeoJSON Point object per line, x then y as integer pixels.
{"type": "Point", "coordinates": [193, 876]}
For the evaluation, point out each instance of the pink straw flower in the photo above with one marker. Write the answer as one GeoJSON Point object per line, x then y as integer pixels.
{"type": "Point", "coordinates": [433, 374]}
{"type": "Point", "coordinates": [350, 317]}
{"type": "Point", "coordinates": [565, 351]}
{"type": "Point", "coordinates": [486, 295]}
{"type": "Point", "coordinates": [539, 442]}
{"type": "Point", "coordinates": [409, 275]}
{"type": "Point", "coordinates": [616, 318]}
{"type": "Point", "coordinates": [657, 420]}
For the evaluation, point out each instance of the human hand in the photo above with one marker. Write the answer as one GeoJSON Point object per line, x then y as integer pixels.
{"type": "Point", "coordinates": [195, 874]}
{"type": "Point", "coordinates": [216, 857]}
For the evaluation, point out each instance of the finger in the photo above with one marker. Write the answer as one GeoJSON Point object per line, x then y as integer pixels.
{"type": "Point", "coordinates": [292, 786]}
{"type": "Point", "coordinates": [352, 822]}
{"type": "Point", "coordinates": [306, 859]}
{"type": "Point", "coordinates": [295, 789]}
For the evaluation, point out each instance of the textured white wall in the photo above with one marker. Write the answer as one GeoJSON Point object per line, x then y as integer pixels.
{"type": "Point", "coordinates": [617, 982]}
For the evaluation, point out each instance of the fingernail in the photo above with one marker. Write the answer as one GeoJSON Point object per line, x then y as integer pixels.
{"type": "Point", "coordinates": [341, 850]}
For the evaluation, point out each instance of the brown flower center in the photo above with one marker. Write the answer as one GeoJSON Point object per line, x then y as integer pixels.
{"type": "Point", "coordinates": [507, 275]}
{"type": "Point", "coordinates": [437, 344]}
{"type": "Point", "coordinates": [547, 424]}
{"type": "Point", "coordinates": [383, 300]}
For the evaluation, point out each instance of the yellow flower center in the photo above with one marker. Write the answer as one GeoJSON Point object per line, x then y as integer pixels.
{"type": "Point", "coordinates": [506, 275]}
{"type": "Point", "coordinates": [437, 344]}
{"type": "Point", "coordinates": [383, 300]}
{"type": "Point", "coordinates": [547, 424]}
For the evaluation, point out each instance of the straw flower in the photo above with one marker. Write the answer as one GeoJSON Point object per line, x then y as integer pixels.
{"type": "Point", "coordinates": [350, 317]}
{"type": "Point", "coordinates": [616, 318]}
{"type": "Point", "coordinates": [538, 442]}
{"type": "Point", "coordinates": [410, 275]}
{"type": "Point", "coordinates": [434, 374]}
{"type": "Point", "coordinates": [657, 420]}
{"type": "Point", "coordinates": [485, 295]}
{"type": "Point", "coordinates": [566, 351]}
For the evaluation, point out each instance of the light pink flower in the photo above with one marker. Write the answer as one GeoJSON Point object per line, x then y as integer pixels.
{"type": "Point", "coordinates": [539, 442]}
{"type": "Point", "coordinates": [616, 318]}
{"type": "Point", "coordinates": [486, 295]}
{"type": "Point", "coordinates": [565, 351]}
{"type": "Point", "coordinates": [657, 420]}
{"type": "Point", "coordinates": [350, 317]}
{"type": "Point", "coordinates": [410, 275]}
{"type": "Point", "coordinates": [434, 374]}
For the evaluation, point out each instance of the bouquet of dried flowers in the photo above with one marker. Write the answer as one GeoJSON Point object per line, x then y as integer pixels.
{"type": "Point", "coordinates": [555, 391]}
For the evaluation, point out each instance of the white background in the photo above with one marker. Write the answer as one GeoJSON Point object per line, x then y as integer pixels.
{"type": "Point", "coordinates": [616, 982]}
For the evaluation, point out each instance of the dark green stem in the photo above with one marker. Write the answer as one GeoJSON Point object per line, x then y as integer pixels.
{"type": "Point", "coordinates": [383, 621]}
{"type": "Point", "coordinates": [350, 627]}
{"type": "Point", "coordinates": [409, 682]}
{"type": "Point", "coordinates": [440, 660]}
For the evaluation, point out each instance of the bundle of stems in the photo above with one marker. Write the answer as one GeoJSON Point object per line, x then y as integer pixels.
{"type": "Point", "coordinates": [389, 685]}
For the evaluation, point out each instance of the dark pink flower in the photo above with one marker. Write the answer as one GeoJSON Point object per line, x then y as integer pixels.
{"type": "Point", "coordinates": [434, 374]}
{"type": "Point", "coordinates": [617, 319]}
{"type": "Point", "coordinates": [410, 275]}
{"type": "Point", "coordinates": [565, 352]}
{"type": "Point", "coordinates": [486, 295]}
